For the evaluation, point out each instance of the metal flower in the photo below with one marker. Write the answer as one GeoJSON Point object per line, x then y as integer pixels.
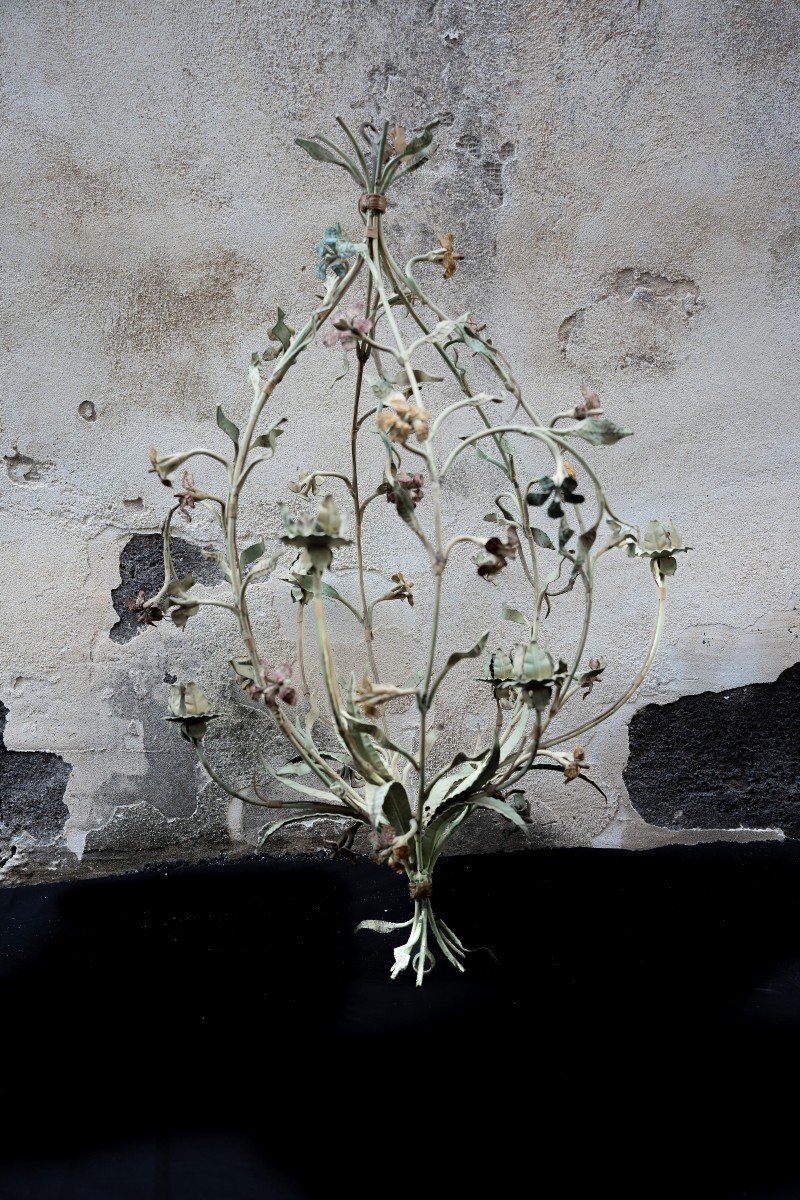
{"type": "Point", "coordinates": [528, 672]}
{"type": "Point", "coordinates": [591, 405]}
{"type": "Point", "coordinates": [148, 614]}
{"type": "Point", "coordinates": [449, 258]}
{"type": "Point", "coordinates": [589, 678]}
{"type": "Point", "coordinates": [165, 466]}
{"type": "Point", "coordinates": [403, 588]}
{"type": "Point", "coordinates": [412, 485]}
{"type": "Point", "coordinates": [347, 326]}
{"type": "Point", "coordinates": [574, 765]}
{"type": "Point", "coordinates": [399, 418]}
{"type": "Point", "coordinates": [317, 535]}
{"type": "Point", "coordinates": [278, 685]}
{"type": "Point", "coordinates": [660, 544]}
{"type": "Point", "coordinates": [191, 709]}
{"type": "Point", "coordinates": [333, 253]}
{"type": "Point", "coordinates": [496, 554]}
{"type": "Point", "coordinates": [187, 497]}
{"type": "Point", "coordinates": [559, 491]}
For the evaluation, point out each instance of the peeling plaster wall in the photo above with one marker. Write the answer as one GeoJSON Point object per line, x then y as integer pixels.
{"type": "Point", "coordinates": [622, 179]}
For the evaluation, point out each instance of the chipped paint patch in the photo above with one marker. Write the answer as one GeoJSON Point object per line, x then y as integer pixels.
{"type": "Point", "coordinates": [634, 319]}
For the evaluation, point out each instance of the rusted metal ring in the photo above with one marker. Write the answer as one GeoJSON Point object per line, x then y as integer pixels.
{"type": "Point", "coordinates": [372, 202]}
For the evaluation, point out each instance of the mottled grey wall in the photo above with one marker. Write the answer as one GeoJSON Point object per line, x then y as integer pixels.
{"type": "Point", "coordinates": [622, 178]}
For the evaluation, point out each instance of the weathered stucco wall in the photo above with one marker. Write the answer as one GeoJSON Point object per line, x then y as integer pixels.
{"type": "Point", "coordinates": [622, 178]}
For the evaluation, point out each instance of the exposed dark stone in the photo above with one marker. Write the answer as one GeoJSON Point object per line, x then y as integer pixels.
{"type": "Point", "coordinates": [32, 786]}
{"type": "Point", "coordinates": [141, 568]}
{"type": "Point", "coordinates": [720, 759]}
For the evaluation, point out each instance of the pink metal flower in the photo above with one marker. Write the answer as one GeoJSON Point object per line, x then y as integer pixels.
{"type": "Point", "coordinates": [347, 326]}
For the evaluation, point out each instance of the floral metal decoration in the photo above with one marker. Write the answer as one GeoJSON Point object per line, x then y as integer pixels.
{"type": "Point", "coordinates": [552, 529]}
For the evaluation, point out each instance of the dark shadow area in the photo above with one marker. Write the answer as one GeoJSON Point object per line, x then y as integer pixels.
{"type": "Point", "coordinates": [739, 763]}
{"type": "Point", "coordinates": [221, 1032]}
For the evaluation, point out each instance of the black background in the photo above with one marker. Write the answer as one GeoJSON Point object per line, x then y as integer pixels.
{"type": "Point", "coordinates": [220, 1031]}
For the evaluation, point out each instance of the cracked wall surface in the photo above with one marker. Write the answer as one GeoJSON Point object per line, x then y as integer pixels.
{"type": "Point", "coordinates": [621, 178]}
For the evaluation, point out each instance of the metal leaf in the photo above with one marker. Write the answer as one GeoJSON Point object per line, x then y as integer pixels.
{"type": "Point", "coordinates": [473, 783]}
{"type": "Point", "coordinates": [541, 539]}
{"type": "Point", "coordinates": [318, 152]}
{"type": "Point", "coordinates": [440, 831]}
{"type": "Point", "coordinates": [281, 332]}
{"type": "Point", "coordinates": [228, 427]}
{"type": "Point", "coordinates": [383, 926]}
{"type": "Point", "coordinates": [270, 438]}
{"type": "Point", "coordinates": [598, 430]}
{"type": "Point", "coordinates": [458, 656]}
{"type": "Point", "coordinates": [513, 614]}
{"type": "Point", "coordinates": [404, 504]}
{"type": "Point", "coordinates": [249, 556]}
{"type": "Point", "coordinates": [390, 802]}
{"type": "Point", "coordinates": [504, 809]}
{"type": "Point", "coordinates": [481, 454]}
{"type": "Point", "coordinates": [305, 812]}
